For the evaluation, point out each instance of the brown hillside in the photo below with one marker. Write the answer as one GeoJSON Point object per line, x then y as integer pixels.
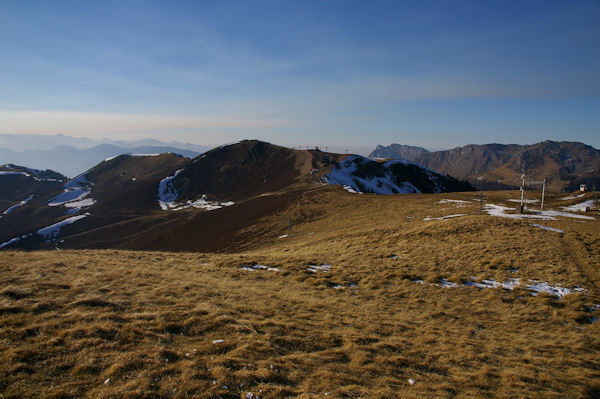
{"type": "Point", "coordinates": [123, 188]}
{"type": "Point", "coordinates": [15, 188]}
{"type": "Point", "coordinates": [129, 184]}
{"type": "Point", "coordinates": [242, 170]}
{"type": "Point", "coordinates": [356, 303]}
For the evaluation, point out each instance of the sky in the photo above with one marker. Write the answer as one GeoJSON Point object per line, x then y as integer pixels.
{"type": "Point", "coordinates": [339, 73]}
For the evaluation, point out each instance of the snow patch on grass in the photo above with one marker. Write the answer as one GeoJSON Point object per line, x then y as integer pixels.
{"type": "Point", "coordinates": [501, 211]}
{"type": "Point", "coordinates": [323, 267]}
{"type": "Point", "coordinates": [547, 228]}
{"type": "Point", "coordinates": [12, 208]}
{"type": "Point", "coordinates": [260, 267]}
{"type": "Point", "coordinates": [571, 197]}
{"type": "Point", "coordinates": [535, 287]}
{"type": "Point", "coordinates": [581, 207]}
{"type": "Point", "coordinates": [13, 240]}
{"type": "Point", "coordinates": [527, 201]}
{"type": "Point", "coordinates": [167, 194]}
{"type": "Point", "coordinates": [11, 173]}
{"type": "Point", "coordinates": [445, 217]}
{"type": "Point", "coordinates": [74, 195]}
{"type": "Point", "coordinates": [52, 231]}
{"type": "Point", "coordinates": [167, 197]}
{"type": "Point", "coordinates": [458, 203]}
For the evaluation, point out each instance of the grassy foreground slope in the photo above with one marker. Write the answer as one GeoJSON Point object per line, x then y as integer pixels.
{"type": "Point", "coordinates": [355, 303]}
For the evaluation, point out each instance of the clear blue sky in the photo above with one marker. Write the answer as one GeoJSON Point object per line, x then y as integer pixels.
{"type": "Point", "coordinates": [348, 74]}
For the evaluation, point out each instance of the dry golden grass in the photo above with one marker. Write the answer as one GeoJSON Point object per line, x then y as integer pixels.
{"type": "Point", "coordinates": [149, 324]}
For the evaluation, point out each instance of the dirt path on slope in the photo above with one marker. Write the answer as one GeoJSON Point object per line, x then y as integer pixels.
{"type": "Point", "coordinates": [584, 255]}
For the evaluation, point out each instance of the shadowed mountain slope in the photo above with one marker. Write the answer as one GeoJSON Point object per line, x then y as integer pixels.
{"type": "Point", "coordinates": [20, 185]}
{"type": "Point", "coordinates": [115, 190]}
{"type": "Point", "coordinates": [213, 203]}
{"type": "Point", "coordinates": [242, 170]}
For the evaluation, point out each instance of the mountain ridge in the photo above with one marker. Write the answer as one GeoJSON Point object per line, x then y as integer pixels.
{"type": "Point", "coordinates": [80, 160]}
{"type": "Point", "coordinates": [398, 151]}
{"type": "Point", "coordinates": [565, 165]}
{"type": "Point", "coordinates": [150, 200]}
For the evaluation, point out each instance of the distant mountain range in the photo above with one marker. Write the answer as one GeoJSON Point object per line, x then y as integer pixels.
{"type": "Point", "coordinates": [564, 165]}
{"type": "Point", "coordinates": [22, 142]}
{"type": "Point", "coordinates": [74, 155]}
{"type": "Point", "coordinates": [148, 201]}
{"type": "Point", "coordinates": [72, 161]}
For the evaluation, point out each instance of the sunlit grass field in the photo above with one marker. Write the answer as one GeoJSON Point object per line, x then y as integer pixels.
{"type": "Point", "coordinates": [370, 296]}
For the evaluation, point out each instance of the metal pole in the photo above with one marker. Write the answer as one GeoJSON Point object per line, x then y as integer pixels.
{"type": "Point", "coordinates": [522, 191]}
{"type": "Point", "coordinates": [543, 192]}
{"type": "Point", "coordinates": [480, 202]}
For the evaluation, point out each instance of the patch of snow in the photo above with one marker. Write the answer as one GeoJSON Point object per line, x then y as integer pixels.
{"type": "Point", "coordinates": [448, 284]}
{"type": "Point", "coordinates": [527, 201]}
{"type": "Point", "coordinates": [283, 236]}
{"type": "Point", "coordinates": [342, 174]}
{"type": "Point", "coordinates": [69, 196]}
{"type": "Point", "coordinates": [52, 231]}
{"type": "Point", "coordinates": [581, 207]}
{"type": "Point", "coordinates": [74, 195]}
{"type": "Point", "coordinates": [459, 203]}
{"type": "Point", "coordinates": [547, 228]}
{"type": "Point", "coordinates": [446, 217]}
{"type": "Point", "coordinates": [571, 197]}
{"type": "Point", "coordinates": [110, 158]}
{"type": "Point", "coordinates": [12, 208]}
{"type": "Point", "coordinates": [167, 194]}
{"type": "Point", "coordinates": [260, 267]}
{"type": "Point", "coordinates": [567, 215]}
{"type": "Point", "coordinates": [411, 381]}
{"type": "Point", "coordinates": [202, 203]}
{"type": "Point", "coordinates": [76, 183]}
{"type": "Point", "coordinates": [351, 190]}
{"type": "Point", "coordinates": [500, 211]}
{"type": "Point", "coordinates": [338, 287]}
{"type": "Point", "coordinates": [144, 155]}
{"type": "Point", "coordinates": [13, 240]}
{"type": "Point", "coordinates": [167, 197]}
{"type": "Point", "coordinates": [324, 267]}
{"type": "Point", "coordinates": [218, 341]}
{"type": "Point", "coordinates": [536, 287]}
{"type": "Point", "coordinates": [11, 173]}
